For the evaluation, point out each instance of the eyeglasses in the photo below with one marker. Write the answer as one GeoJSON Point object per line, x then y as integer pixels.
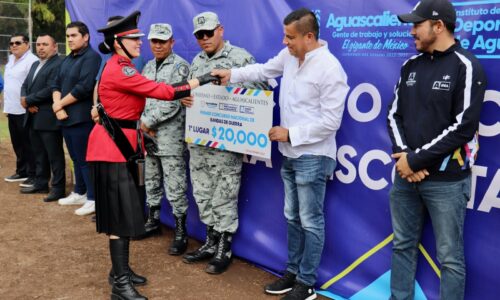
{"type": "Point", "coordinates": [17, 43]}
{"type": "Point", "coordinates": [209, 33]}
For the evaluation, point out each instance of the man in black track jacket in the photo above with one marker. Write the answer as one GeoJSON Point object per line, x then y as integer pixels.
{"type": "Point", "coordinates": [433, 123]}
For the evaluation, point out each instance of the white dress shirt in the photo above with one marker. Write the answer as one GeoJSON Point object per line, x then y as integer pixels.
{"type": "Point", "coordinates": [15, 74]}
{"type": "Point", "coordinates": [40, 65]}
{"type": "Point", "coordinates": [311, 100]}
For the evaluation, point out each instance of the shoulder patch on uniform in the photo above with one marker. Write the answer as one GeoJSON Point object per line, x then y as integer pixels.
{"type": "Point", "coordinates": [128, 71]}
{"type": "Point", "coordinates": [183, 70]}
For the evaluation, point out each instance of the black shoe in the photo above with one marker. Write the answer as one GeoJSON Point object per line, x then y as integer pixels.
{"type": "Point", "coordinates": [15, 177]}
{"type": "Point", "coordinates": [206, 250]}
{"type": "Point", "coordinates": [123, 289]}
{"type": "Point", "coordinates": [134, 278]}
{"type": "Point", "coordinates": [54, 196]}
{"type": "Point", "coordinates": [153, 225]}
{"type": "Point", "coordinates": [180, 242]}
{"type": "Point", "coordinates": [282, 285]}
{"type": "Point", "coordinates": [30, 182]}
{"type": "Point", "coordinates": [34, 190]}
{"type": "Point", "coordinates": [223, 257]}
{"type": "Point", "coordinates": [301, 291]}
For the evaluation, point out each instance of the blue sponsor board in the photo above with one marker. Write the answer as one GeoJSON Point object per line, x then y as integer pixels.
{"type": "Point", "coordinates": [371, 44]}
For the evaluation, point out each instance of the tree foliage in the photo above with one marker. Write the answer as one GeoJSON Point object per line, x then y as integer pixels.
{"type": "Point", "coordinates": [48, 17]}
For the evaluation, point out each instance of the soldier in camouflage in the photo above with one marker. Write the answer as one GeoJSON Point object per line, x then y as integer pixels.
{"type": "Point", "coordinates": [216, 174]}
{"type": "Point", "coordinates": [165, 120]}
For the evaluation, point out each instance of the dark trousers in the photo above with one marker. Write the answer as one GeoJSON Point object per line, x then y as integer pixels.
{"type": "Point", "coordinates": [19, 136]}
{"type": "Point", "coordinates": [49, 156]}
{"type": "Point", "coordinates": [76, 138]}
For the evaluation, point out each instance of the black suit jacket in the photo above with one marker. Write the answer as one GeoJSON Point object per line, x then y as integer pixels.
{"type": "Point", "coordinates": [38, 92]}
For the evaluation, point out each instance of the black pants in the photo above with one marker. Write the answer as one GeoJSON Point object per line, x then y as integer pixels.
{"type": "Point", "coordinates": [19, 136]}
{"type": "Point", "coordinates": [49, 156]}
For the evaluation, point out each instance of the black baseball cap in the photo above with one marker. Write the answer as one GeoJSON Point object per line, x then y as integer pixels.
{"type": "Point", "coordinates": [430, 10]}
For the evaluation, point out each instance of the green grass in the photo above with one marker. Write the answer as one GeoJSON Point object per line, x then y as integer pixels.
{"type": "Point", "coordinates": [4, 130]}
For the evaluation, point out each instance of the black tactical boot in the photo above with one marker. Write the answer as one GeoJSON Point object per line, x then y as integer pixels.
{"type": "Point", "coordinates": [206, 250]}
{"type": "Point", "coordinates": [123, 288]}
{"type": "Point", "coordinates": [223, 256]}
{"type": "Point", "coordinates": [152, 226]}
{"type": "Point", "coordinates": [179, 244]}
{"type": "Point", "coordinates": [134, 278]}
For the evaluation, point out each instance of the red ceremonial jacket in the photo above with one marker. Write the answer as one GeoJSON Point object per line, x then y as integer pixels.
{"type": "Point", "coordinates": [122, 91]}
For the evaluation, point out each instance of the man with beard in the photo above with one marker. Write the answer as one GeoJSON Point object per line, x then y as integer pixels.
{"type": "Point", "coordinates": [433, 123]}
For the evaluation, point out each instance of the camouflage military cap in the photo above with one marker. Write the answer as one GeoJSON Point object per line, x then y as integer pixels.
{"type": "Point", "coordinates": [160, 31]}
{"type": "Point", "coordinates": [205, 21]}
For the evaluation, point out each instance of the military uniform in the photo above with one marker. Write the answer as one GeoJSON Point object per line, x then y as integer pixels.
{"type": "Point", "coordinates": [167, 164]}
{"type": "Point", "coordinates": [216, 174]}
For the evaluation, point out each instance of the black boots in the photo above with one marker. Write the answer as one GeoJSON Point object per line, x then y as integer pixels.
{"type": "Point", "coordinates": [223, 256]}
{"type": "Point", "coordinates": [152, 226]}
{"type": "Point", "coordinates": [123, 288]}
{"type": "Point", "coordinates": [179, 244]}
{"type": "Point", "coordinates": [218, 247]}
{"type": "Point", "coordinates": [206, 250]}
{"type": "Point", "coordinates": [134, 278]}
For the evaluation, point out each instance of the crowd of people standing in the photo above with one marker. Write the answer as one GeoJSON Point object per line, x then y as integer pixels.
{"type": "Point", "coordinates": [110, 111]}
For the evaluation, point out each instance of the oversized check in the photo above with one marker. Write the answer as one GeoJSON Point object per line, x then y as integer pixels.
{"type": "Point", "coordinates": [231, 118]}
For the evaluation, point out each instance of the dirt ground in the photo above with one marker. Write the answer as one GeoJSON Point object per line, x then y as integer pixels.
{"type": "Point", "coordinates": [48, 252]}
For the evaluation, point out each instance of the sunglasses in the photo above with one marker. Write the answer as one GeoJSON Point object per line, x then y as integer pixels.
{"type": "Point", "coordinates": [209, 33]}
{"type": "Point", "coordinates": [17, 43]}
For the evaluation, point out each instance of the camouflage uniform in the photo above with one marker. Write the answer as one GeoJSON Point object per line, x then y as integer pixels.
{"type": "Point", "coordinates": [166, 165]}
{"type": "Point", "coordinates": [216, 174]}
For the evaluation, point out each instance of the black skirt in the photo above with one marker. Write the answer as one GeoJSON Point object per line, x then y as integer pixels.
{"type": "Point", "coordinates": [119, 202]}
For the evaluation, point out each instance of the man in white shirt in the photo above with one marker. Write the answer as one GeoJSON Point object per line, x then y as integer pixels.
{"type": "Point", "coordinates": [16, 70]}
{"type": "Point", "coordinates": [312, 95]}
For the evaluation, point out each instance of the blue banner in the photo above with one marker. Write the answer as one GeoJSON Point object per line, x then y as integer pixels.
{"type": "Point", "coordinates": [371, 44]}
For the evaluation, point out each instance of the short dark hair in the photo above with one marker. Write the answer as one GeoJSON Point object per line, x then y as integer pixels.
{"type": "Point", "coordinates": [306, 21]}
{"type": "Point", "coordinates": [25, 37]}
{"type": "Point", "coordinates": [49, 35]}
{"type": "Point", "coordinates": [82, 28]}
{"type": "Point", "coordinates": [449, 26]}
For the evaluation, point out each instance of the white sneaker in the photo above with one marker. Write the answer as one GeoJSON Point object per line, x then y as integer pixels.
{"type": "Point", "coordinates": [87, 208]}
{"type": "Point", "coordinates": [73, 199]}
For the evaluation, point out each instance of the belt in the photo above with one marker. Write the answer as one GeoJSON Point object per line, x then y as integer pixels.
{"type": "Point", "coordinates": [129, 124]}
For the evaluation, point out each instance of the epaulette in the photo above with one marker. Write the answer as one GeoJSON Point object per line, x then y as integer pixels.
{"type": "Point", "coordinates": [122, 61]}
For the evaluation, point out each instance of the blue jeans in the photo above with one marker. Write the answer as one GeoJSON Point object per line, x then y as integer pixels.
{"type": "Point", "coordinates": [305, 182]}
{"type": "Point", "coordinates": [446, 203]}
{"type": "Point", "coordinates": [76, 138]}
